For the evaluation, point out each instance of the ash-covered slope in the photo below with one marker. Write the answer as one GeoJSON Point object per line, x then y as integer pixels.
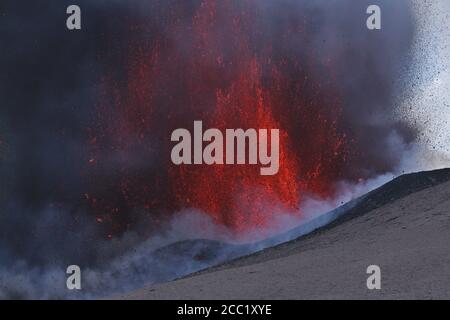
{"type": "Point", "coordinates": [398, 188]}
{"type": "Point", "coordinates": [404, 227]}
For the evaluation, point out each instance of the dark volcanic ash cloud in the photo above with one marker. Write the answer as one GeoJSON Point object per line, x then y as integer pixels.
{"type": "Point", "coordinates": [51, 81]}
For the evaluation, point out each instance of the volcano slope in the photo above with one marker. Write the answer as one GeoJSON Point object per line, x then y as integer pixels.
{"type": "Point", "coordinates": [403, 227]}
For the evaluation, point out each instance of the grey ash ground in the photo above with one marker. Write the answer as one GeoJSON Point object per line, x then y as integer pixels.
{"type": "Point", "coordinates": [404, 227]}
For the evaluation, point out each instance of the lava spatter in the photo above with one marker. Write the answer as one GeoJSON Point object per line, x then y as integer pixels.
{"type": "Point", "coordinates": [214, 64]}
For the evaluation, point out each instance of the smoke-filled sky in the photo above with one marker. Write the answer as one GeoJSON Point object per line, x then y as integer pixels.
{"type": "Point", "coordinates": [427, 105]}
{"type": "Point", "coordinates": [85, 119]}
